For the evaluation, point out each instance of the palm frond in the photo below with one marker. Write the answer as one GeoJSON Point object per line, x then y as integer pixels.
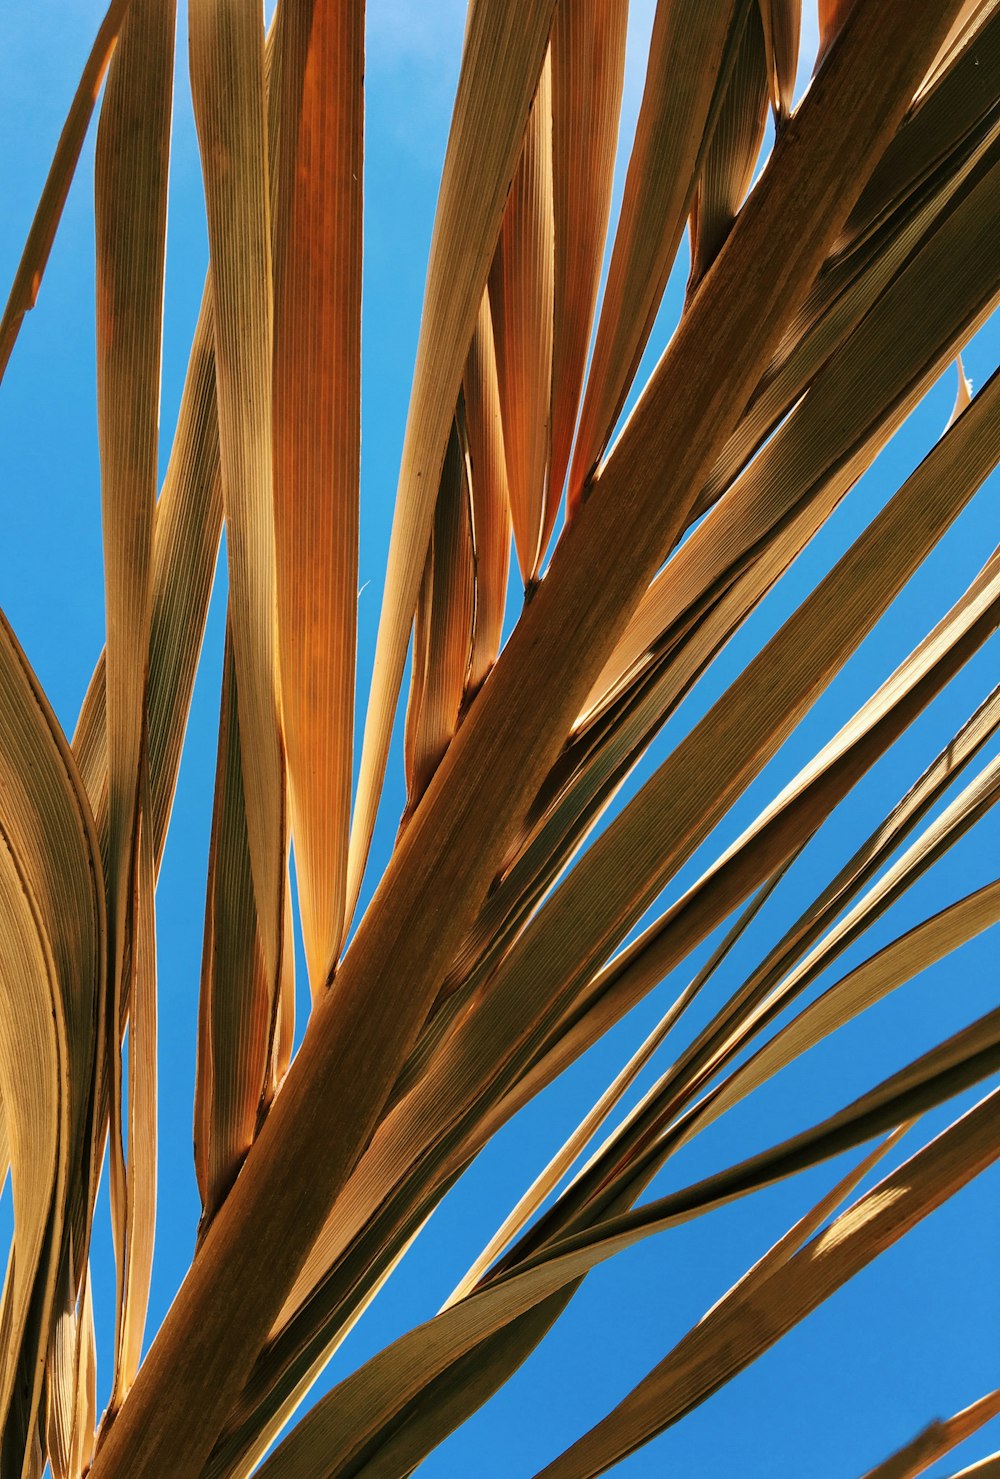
{"type": "Point", "coordinates": [618, 793]}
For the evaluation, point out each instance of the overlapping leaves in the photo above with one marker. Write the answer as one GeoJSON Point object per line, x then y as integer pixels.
{"type": "Point", "coordinates": [821, 306]}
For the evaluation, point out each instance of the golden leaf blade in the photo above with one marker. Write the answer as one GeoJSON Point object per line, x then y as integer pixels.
{"type": "Point", "coordinates": [34, 1073]}
{"type": "Point", "coordinates": [317, 441]}
{"type": "Point", "coordinates": [54, 923]}
{"type": "Point", "coordinates": [985, 1468]}
{"type": "Point", "coordinates": [71, 1392]}
{"type": "Point", "coordinates": [445, 625]}
{"type": "Point", "coordinates": [848, 290]}
{"type": "Point", "coordinates": [832, 16]}
{"type": "Point", "coordinates": [501, 63]}
{"type": "Point", "coordinates": [685, 56]}
{"type": "Point", "coordinates": [227, 83]}
{"type": "Point", "coordinates": [133, 148]}
{"type": "Point", "coordinates": [186, 535]}
{"type": "Point", "coordinates": [967, 27]}
{"type": "Point", "coordinates": [956, 109]}
{"type": "Point", "coordinates": [782, 23]}
{"type": "Point", "coordinates": [937, 1439]}
{"type": "Point", "coordinates": [729, 159]}
{"type": "Point", "coordinates": [131, 211]}
{"type": "Point", "coordinates": [138, 1212]}
{"type": "Point", "coordinates": [521, 288]}
{"type": "Point", "coordinates": [481, 428]}
{"type": "Point", "coordinates": [964, 393]}
{"type": "Point", "coordinates": [418, 675]}
{"type": "Point", "coordinates": [967, 808]}
{"type": "Point", "coordinates": [238, 1021]}
{"type": "Point", "coordinates": [700, 598]}
{"type": "Point", "coordinates": [588, 74]}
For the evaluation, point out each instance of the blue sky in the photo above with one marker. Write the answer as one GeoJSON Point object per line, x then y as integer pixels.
{"type": "Point", "coordinates": [915, 1335]}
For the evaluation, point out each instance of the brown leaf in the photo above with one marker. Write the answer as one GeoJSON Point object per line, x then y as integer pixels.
{"type": "Point", "coordinates": [729, 160]}
{"type": "Point", "coordinates": [481, 429]}
{"type": "Point", "coordinates": [937, 1439]}
{"type": "Point", "coordinates": [443, 633]}
{"type": "Point", "coordinates": [782, 21]}
{"type": "Point", "coordinates": [588, 74]}
{"type": "Point", "coordinates": [133, 149]}
{"type": "Point", "coordinates": [317, 441]}
{"type": "Point", "coordinates": [521, 301]}
{"type": "Point", "coordinates": [502, 60]}
{"type": "Point", "coordinates": [227, 82]}
{"type": "Point", "coordinates": [237, 1074]}
{"type": "Point", "coordinates": [35, 256]}
{"type": "Point", "coordinates": [685, 56]}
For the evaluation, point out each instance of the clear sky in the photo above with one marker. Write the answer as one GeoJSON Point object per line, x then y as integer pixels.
{"type": "Point", "coordinates": [915, 1336]}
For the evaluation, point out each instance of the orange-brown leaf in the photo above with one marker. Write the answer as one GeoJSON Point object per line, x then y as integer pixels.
{"type": "Point", "coordinates": [504, 50]}
{"type": "Point", "coordinates": [481, 427]}
{"type": "Point", "coordinates": [521, 300]}
{"type": "Point", "coordinates": [443, 635]}
{"type": "Point", "coordinates": [782, 23]}
{"type": "Point", "coordinates": [588, 74]}
{"type": "Point", "coordinates": [317, 440]}
{"type": "Point", "coordinates": [685, 56]}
